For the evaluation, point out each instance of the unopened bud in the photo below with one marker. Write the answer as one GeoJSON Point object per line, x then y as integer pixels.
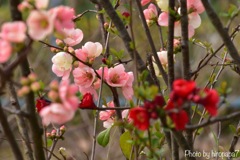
{"type": "Point", "coordinates": [48, 135]}
{"type": "Point", "coordinates": [24, 81]}
{"type": "Point", "coordinates": [35, 86]}
{"type": "Point", "coordinates": [126, 14]}
{"type": "Point", "coordinates": [53, 95]}
{"type": "Point", "coordinates": [106, 25]}
{"type": "Point", "coordinates": [53, 133]}
{"type": "Point", "coordinates": [54, 50]}
{"type": "Point", "coordinates": [71, 50]}
{"type": "Point", "coordinates": [54, 85]}
{"type": "Point", "coordinates": [76, 64]}
{"type": "Point", "coordinates": [62, 129]}
{"type": "Point", "coordinates": [104, 60]}
{"type": "Point", "coordinates": [60, 43]}
{"type": "Point", "coordinates": [32, 77]}
{"type": "Point", "coordinates": [23, 91]}
{"type": "Point", "coordinates": [65, 48]}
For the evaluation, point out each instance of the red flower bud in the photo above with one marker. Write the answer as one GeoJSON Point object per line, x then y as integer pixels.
{"type": "Point", "coordinates": [126, 14]}
{"type": "Point", "coordinates": [87, 102]}
{"type": "Point", "coordinates": [41, 103]}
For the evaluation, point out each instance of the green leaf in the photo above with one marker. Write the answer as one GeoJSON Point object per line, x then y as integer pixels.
{"type": "Point", "coordinates": [103, 137]}
{"type": "Point", "coordinates": [125, 144]}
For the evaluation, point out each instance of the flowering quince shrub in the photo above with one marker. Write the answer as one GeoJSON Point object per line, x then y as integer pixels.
{"type": "Point", "coordinates": [155, 109]}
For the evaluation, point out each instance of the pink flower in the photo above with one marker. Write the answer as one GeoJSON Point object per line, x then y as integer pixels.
{"type": "Point", "coordinates": [91, 90]}
{"type": "Point", "coordinates": [195, 6]}
{"type": "Point", "coordinates": [108, 116]}
{"type": "Point", "coordinates": [117, 77]}
{"type": "Point", "coordinates": [105, 115]}
{"type": "Point", "coordinates": [144, 2]}
{"type": "Point", "coordinates": [41, 4]}
{"type": "Point", "coordinates": [67, 94]}
{"type": "Point", "coordinates": [163, 19]}
{"type": "Point", "coordinates": [24, 5]}
{"type": "Point", "coordinates": [89, 51]}
{"type": "Point", "coordinates": [178, 31]}
{"type": "Point", "coordinates": [14, 31]}
{"type": "Point", "coordinates": [150, 14]}
{"type": "Point", "coordinates": [84, 76]}
{"type": "Point", "coordinates": [62, 64]}
{"type": "Point", "coordinates": [194, 19]}
{"type": "Point", "coordinates": [127, 89]}
{"type": "Point", "coordinates": [64, 17]}
{"type": "Point", "coordinates": [40, 24]}
{"type": "Point", "coordinates": [72, 36]}
{"type": "Point", "coordinates": [5, 50]}
{"type": "Point", "coordinates": [56, 113]}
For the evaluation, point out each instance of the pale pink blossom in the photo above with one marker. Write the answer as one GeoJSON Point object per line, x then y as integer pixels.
{"type": "Point", "coordinates": [40, 24]}
{"type": "Point", "coordinates": [41, 4]}
{"type": "Point", "coordinates": [195, 6]}
{"type": "Point", "coordinates": [72, 36]}
{"type": "Point", "coordinates": [64, 18]}
{"type": "Point", "coordinates": [5, 50]}
{"type": "Point", "coordinates": [56, 113]}
{"type": "Point", "coordinates": [117, 77]}
{"type": "Point", "coordinates": [178, 31]}
{"type": "Point", "coordinates": [89, 51]}
{"type": "Point", "coordinates": [150, 14]}
{"type": "Point", "coordinates": [163, 19]}
{"type": "Point", "coordinates": [127, 89]}
{"type": "Point", "coordinates": [108, 116]}
{"type": "Point", "coordinates": [144, 2]}
{"type": "Point", "coordinates": [14, 31]}
{"type": "Point", "coordinates": [84, 76]}
{"type": "Point", "coordinates": [67, 94]}
{"type": "Point", "coordinates": [91, 90]}
{"type": "Point", "coordinates": [105, 115]}
{"type": "Point", "coordinates": [62, 64]}
{"type": "Point", "coordinates": [163, 4]}
{"type": "Point", "coordinates": [194, 20]}
{"type": "Point", "coordinates": [24, 5]}
{"type": "Point", "coordinates": [162, 55]}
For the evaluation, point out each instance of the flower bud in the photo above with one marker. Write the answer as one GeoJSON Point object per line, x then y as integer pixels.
{"type": "Point", "coordinates": [104, 60]}
{"type": "Point", "coordinates": [62, 129]}
{"type": "Point", "coordinates": [71, 50]}
{"type": "Point", "coordinates": [53, 95]}
{"type": "Point", "coordinates": [76, 64]}
{"type": "Point", "coordinates": [24, 81]}
{"type": "Point", "coordinates": [54, 85]}
{"type": "Point", "coordinates": [48, 135]}
{"type": "Point", "coordinates": [35, 86]}
{"type": "Point", "coordinates": [53, 133]}
{"type": "Point", "coordinates": [32, 77]}
{"type": "Point", "coordinates": [23, 91]}
{"type": "Point", "coordinates": [106, 25]}
{"type": "Point", "coordinates": [65, 49]}
{"type": "Point", "coordinates": [60, 43]}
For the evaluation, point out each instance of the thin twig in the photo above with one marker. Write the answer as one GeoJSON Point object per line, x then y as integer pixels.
{"type": "Point", "coordinates": [150, 40]}
{"type": "Point", "coordinates": [222, 32]}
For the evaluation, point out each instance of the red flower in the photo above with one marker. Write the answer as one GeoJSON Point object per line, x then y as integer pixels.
{"type": "Point", "coordinates": [159, 101]}
{"type": "Point", "coordinates": [87, 102]}
{"type": "Point", "coordinates": [177, 115]}
{"type": "Point", "coordinates": [41, 103]}
{"type": "Point", "coordinates": [183, 88]}
{"type": "Point", "coordinates": [126, 14]}
{"type": "Point", "coordinates": [210, 101]}
{"type": "Point", "coordinates": [140, 118]}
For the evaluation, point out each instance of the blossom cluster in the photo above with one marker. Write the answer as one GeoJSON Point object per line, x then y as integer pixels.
{"type": "Point", "coordinates": [141, 115]}
{"type": "Point", "coordinates": [184, 92]}
{"type": "Point", "coordinates": [109, 116]}
{"type": "Point", "coordinates": [194, 8]}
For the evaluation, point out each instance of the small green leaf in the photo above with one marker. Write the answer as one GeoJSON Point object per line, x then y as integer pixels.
{"type": "Point", "coordinates": [103, 137]}
{"type": "Point", "coordinates": [233, 128]}
{"type": "Point", "coordinates": [125, 144]}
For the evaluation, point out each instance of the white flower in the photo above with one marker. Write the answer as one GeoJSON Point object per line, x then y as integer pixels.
{"type": "Point", "coordinates": [163, 4]}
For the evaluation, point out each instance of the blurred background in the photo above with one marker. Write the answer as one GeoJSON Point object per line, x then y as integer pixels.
{"type": "Point", "coordinates": [78, 137]}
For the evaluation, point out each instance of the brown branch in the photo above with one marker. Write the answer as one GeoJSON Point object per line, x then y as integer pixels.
{"type": "Point", "coordinates": [234, 141]}
{"type": "Point", "coordinates": [222, 32]}
{"type": "Point", "coordinates": [33, 121]}
{"type": "Point", "coordinates": [79, 16]}
{"type": "Point", "coordinates": [214, 120]}
{"type": "Point", "coordinates": [150, 40]}
{"type": "Point", "coordinates": [9, 134]}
